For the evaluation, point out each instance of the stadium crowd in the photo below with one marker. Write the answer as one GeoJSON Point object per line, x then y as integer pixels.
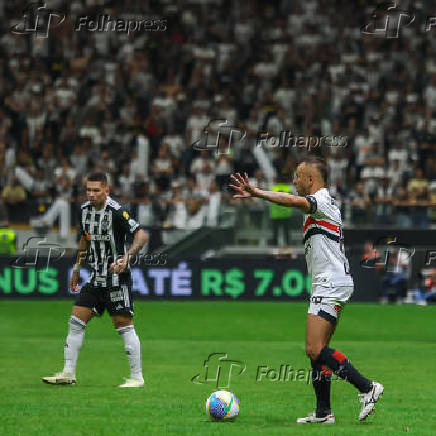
{"type": "Point", "coordinates": [133, 105]}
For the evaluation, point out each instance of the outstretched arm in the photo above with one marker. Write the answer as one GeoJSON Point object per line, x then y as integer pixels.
{"type": "Point", "coordinates": [245, 190]}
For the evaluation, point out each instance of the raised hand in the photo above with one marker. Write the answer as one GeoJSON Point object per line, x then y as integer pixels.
{"type": "Point", "coordinates": [242, 186]}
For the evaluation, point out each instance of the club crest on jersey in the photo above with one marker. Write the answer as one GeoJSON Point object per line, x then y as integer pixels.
{"type": "Point", "coordinates": [105, 222]}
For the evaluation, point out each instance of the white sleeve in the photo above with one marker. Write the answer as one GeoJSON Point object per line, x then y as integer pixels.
{"type": "Point", "coordinates": [322, 206]}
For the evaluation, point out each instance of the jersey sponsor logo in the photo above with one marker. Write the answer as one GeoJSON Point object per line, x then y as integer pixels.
{"type": "Point", "coordinates": [99, 237]}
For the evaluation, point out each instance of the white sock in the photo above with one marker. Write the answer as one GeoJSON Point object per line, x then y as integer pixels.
{"type": "Point", "coordinates": [73, 343]}
{"type": "Point", "coordinates": [133, 350]}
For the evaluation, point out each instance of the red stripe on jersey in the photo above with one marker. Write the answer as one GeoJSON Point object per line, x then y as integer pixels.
{"type": "Point", "coordinates": [310, 220]}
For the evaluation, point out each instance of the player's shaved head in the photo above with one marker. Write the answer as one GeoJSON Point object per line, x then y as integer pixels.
{"type": "Point", "coordinates": [310, 175]}
{"type": "Point", "coordinates": [318, 164]}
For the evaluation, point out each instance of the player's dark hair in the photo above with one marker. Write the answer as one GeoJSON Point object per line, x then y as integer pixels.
{"type": "Point", "coordinates": [320, 164]}
{"type": "Point", "coordinates": [97, 176]}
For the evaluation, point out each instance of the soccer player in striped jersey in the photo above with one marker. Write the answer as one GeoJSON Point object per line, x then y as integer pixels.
{"type": "Point", "coordinates": [103, 224]}
{"type": "Point", "coordinates": [332, 284]}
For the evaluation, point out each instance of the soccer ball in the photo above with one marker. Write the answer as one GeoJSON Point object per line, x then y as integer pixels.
{"type": "Point", "coordinates": [222, 405]}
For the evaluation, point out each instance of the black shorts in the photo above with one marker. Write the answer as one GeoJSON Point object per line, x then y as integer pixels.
{"type": "Point", "coordinates": [115, 299]}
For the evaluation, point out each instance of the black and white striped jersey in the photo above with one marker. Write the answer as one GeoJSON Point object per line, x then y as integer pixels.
{"type": "Point", "coordinates": [106, 231]}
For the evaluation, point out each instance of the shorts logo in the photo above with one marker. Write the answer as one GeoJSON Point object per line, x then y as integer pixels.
{"type": "Point", "coordinates": [338, 308]}
{"type": "Point", "coordinates": [116, 296]}
{"type": "Point", "coordinates": [126, 215]}
{"type": "Point", "coordinates": [316, 300]}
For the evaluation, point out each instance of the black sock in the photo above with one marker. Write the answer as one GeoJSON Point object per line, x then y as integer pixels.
{"type": "Point", "coordinates": [342, 367]}
{"type": "Point", "coordinates": [321, 381]}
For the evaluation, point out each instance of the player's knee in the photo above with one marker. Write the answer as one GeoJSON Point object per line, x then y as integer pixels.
{"type": "Point", "coordinates": [83, 313]}
{"type": "Point", "coordinates": [313, 351]}
{"type": "Point", "coordinates": [121, 322]}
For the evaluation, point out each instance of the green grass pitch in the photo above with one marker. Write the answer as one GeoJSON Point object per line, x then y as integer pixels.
{"type": "Point", "coordinates": [394, 345]}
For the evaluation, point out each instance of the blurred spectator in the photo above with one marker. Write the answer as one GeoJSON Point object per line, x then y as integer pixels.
{"type": "Point", "coordinates": [125, 186]}
{"type": "Point", "coordinates": [223, 168]}
{"type": "Point", "coordinates": [178, 213]}
{"type": "Point", "coordinates": [419, 196]}
{"type": "Point", "coordinates": [383, 202]}
{"type": "Point", "coordinates": [145, 203]}
{"type": "Point", "coordinates": [280, 215]}
{"type": "Point", "coordinates": [213, 207]}
{"type": "Point", "coordinates": [401, 206]}
{"type": "Point", "coordinates": [426, 290]}
{"type": "Point", "coordinates": [162, 168]}
{"type": "Point", "coordinates": [13, 195]}
{"type": "Point", "coordinates": [394, 280]}
{"type": "Point", "coordinates": [61, 207]}
{"type": "Point", "coordinates": [359, 201]}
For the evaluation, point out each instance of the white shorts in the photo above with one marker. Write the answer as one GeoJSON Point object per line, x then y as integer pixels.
{"type": "Point", "coordinates": [329, 302]}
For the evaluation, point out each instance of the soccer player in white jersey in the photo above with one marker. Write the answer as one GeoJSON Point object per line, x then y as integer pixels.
{"type": "Point", "coordinates": [103, 224]}
{"type": "Point", "coordinates": [332, 284]}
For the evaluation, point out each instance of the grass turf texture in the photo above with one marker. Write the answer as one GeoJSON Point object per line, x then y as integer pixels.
{"type": "Point", "coordinates": [394, 345]}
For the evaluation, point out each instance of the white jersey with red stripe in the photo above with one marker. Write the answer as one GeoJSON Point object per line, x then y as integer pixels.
{"type": "Point", "coordinates": [324, 245]}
